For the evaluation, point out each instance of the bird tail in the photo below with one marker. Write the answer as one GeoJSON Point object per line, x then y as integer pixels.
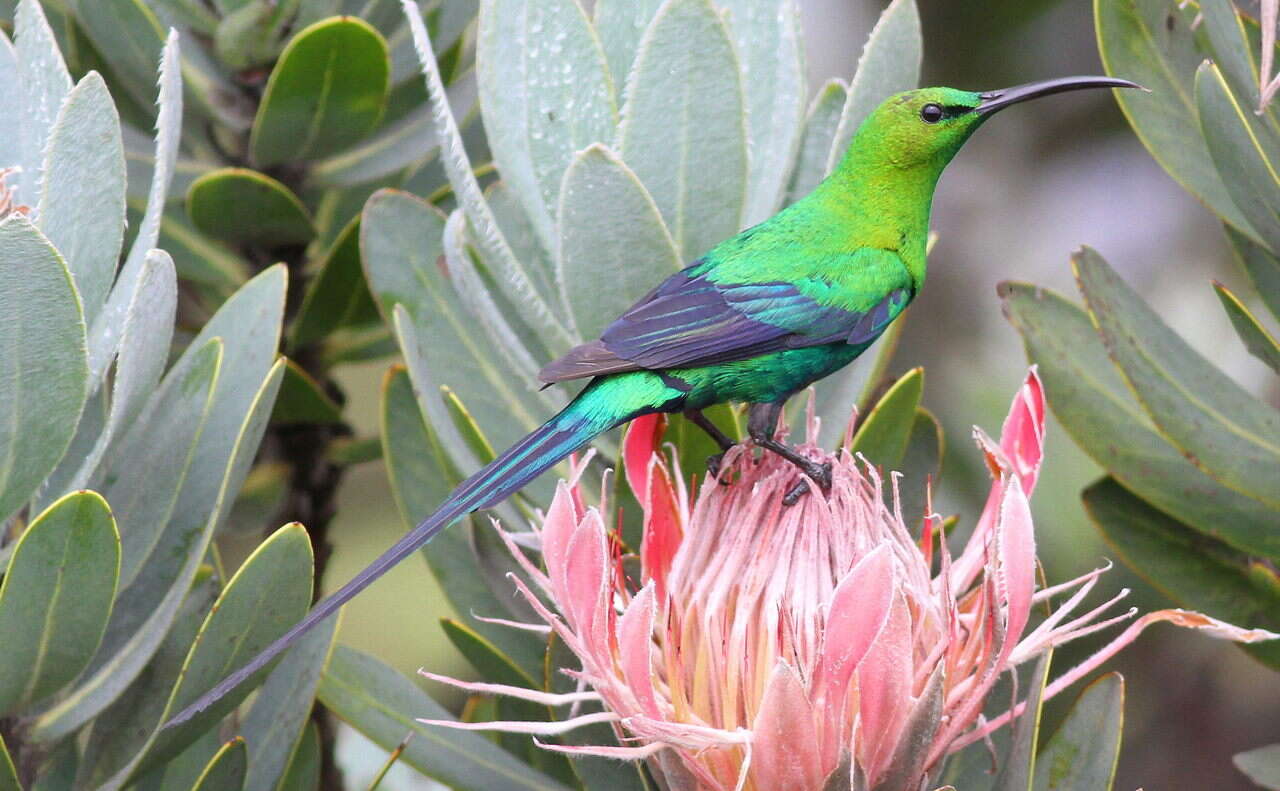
{"type": "Point", "coordinates": [594, 411]}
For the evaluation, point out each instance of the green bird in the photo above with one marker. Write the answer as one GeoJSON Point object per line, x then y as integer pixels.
{"type": "Point", "coordinates": [758, 318]}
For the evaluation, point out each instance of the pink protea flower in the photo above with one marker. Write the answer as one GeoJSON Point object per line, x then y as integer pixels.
{"type": "Point", "coordinates": [769, 647]}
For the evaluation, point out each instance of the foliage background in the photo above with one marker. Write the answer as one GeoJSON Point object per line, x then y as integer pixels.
{"type": "Point", "coordinates": [1026, 191]}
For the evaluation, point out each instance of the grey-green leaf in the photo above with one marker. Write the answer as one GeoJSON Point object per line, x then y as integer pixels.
{"type": "Point", "coordinates": [421, 477]}
{"type": "Point", "coordinates": [1262, 766]}
{"type": "Point", "coordinates": [226, 770]}
{"type": "Point", "coordinates": [144, 350]}
{"type": "Point", "coordinates": [401, 239]}
{"type": "Point", "coordinates": [886, 431]}
{"type": "Point", "coordinates": [1152, 43]}
{"type": "Point", "coordinates": [275, 723]}
{"type": "Point", "coordinates": [1255, 336]}
{"type": "Point", "coordinates": [819, 132]}
{"type": "Point", "coordinates": [1020, 761]}
{"type": "Point", "coordinates": [105, 333]}
{"type": "Point", "coordinates": [269, 593]}
{"type": "Point", "coordinates": [129, 32]}
{"type": "Point", "coordinates": [1228, 433]}
{"type": "Point", "coordinates": [533, 308]}
{"type": "Point", "coordinates": [1082, 754]}
{"type": "Point", "coordinates": [81, 207]}
{"type": "Point", "coordinates": [770, 46]}
{"type": "Point", "coordinates": [150, 465]}
{"type": "Point", "coordinates": [621, 25]}
{"type": "Point", "coordinates": [683, 127]}
{"type": "Point", "coordinates": [545, 93]}
{"type": "Point", "coordinates": [56, 598]}
{"type": "Point", "coordinates": [8, 774]}
{"type": "Point", "coordinates": [43, 370]}
{"type": "Point", "coordinates": [1242, 147]}
{"type": "Point", "coordinates": [613, 244]}
{"type": "Point", "coordinates": [1094, 405]}
{"type": "Point", "coordinates": [890, 63]}
{"type": "Point", "coordinates": [1260, 265]}
{"type": "Point", "coordinates": [383, 705]}
{"type": "Point", "coordinates": [43, 83]}
{"type": "Point", "coordinates": [145, 612]}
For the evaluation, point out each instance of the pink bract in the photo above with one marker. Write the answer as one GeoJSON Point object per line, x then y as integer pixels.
{"type": "Point", "coordinates": [769, 647]}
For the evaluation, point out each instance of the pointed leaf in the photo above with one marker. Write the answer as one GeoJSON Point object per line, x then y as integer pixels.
{"type": "Point", "coordinates": [1225, 431]}
{"type": "Point", "coordinates": [129, 32]}
{"type": "Point", "coordinates": [302, 400]}
{"type": "Point", "coordinates": [244, 206]}
{"type": "Point", "coordinates": [890, 63]}
{"type": "Point", "coordinates": [1241, 146]}
{"type": "Point", "coordinates": [884, 435]}
{"type": "Point", "coordinates": [8, 774]}
{"type": "Point", "coordinates": [227, 769]}
{"type": "Point", "coordinates": [613, 244]}
{"type": "Point", "coordinates": [545, 93]}
{"type": "Point", "coordinates": [420, 480]}
{"type": "Point", "coordinates": [819, 133]}
{"type": "Point", "coordinates": [275, 724]}
{"type": "Point", "coordinates": [326, 92]}
{"type": "Point", "coordinates": [621, 24]}
{"type": "Point", "coordinates": [42, 84]}
{"type": "Point", "coordinates": [1261, 765]}
{"type": "Point", "coordinates": [151, 462]}
{"type": "Point", "coordinates": [56, 597]}
{"type": "Point", "coordinates": [384, 706]}
{"type": "Point", "coordinates": [1153, 44]}
{"type": "Point", "coordinates": [1261, 266]}
{"type": "Point", "coordinates": [1256, 337]}
{"type": "Point", "coordinates": [1095, 406]}
{"type": "Point", "coordinates": [304, 765]}
{"type": "Point", "coordinates": [269, 593]}
{"type": "Point", "coordinates": [337, 294]}
{"type": "Point", "coordinates": [43, 373]}
{"type": "Point", "coordinates": [144, 613]}
{"type": "Point", "coordinates": [1082, 755]}
{"type": "Point", "coordinates": [770, 45]}
{"type": "Point", "coordinates": [1193, 570]}
{"type": "Point", "coordinates": [533, 308]}
{"type": "Point", "coordinates": [82, 192]}
{"type": "Point", "coordinates": [688, 145]}
{"type": "Point", "coordinates": [401, 247]}
{"type": "Point", "coordinates": [144, 350]}
{"type": "Point", "coordinates": [1020, 762]}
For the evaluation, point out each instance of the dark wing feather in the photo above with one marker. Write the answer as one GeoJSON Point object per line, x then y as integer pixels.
{"type": "Point", "coordinates": [690, 321]}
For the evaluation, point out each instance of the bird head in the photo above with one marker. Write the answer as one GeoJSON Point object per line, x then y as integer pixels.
{"type": "Point", "coordinates": [927, 127]}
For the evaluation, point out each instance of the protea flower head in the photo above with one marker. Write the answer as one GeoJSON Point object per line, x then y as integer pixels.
{"type": "Point", "coordinates": [821, 645]}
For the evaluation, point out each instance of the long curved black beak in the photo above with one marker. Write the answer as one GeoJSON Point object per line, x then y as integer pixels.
{"type": "Point", "coordinates": [998, 100]}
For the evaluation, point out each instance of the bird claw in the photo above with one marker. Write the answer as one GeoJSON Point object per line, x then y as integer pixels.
{"type": "Point", "coordinates": [819, 473]}
{"type": "Point", "coordinates": [714, 464]}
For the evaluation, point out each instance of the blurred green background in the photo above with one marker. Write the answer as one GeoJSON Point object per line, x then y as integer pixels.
{"type": "Point", "coordinates": [1049, 177]}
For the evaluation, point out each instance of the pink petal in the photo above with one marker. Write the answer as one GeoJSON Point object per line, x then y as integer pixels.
{"type": "Point", "coordinates": [580, 590]}
{"type": "Point", "coordinates": [1022, 436]}
{"type": "Point", "coordinates": [521, 726]}
{"type": "Point", "coordinates": [1017, 547]}
{"type": "Point", "coordinates": [884, 681]}
{"type": "Point", "coordinates": [635, 641]}
{"type": "Point", "coordinates": [785, 753]}
{"type": "Point", "coordinates": [524, 693]}
{"type": "Point", "coordinates": [603, 751]}
{"type": "Point", "coordinates": [558, 527]}
{"type": "Point", "coordinates": [858, 611]}
{"type": "Point", "coordinates": [663, 532]}
{"type": "Point", "coordinates": [644, 436]}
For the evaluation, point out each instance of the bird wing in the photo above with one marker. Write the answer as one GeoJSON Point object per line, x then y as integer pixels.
{"type": "Point", "coordinates": [692, 320]}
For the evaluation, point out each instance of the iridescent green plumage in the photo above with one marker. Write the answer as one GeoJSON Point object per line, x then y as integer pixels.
{"type": "Point", "coordinates": [758, 318]}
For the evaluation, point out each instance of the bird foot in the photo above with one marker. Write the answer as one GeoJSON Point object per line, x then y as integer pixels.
{"type": "Point", "coordinates": [714, 465]}
{"type": "Point", "coordinates": [818, 473]}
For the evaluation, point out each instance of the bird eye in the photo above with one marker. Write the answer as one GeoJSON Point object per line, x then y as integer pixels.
{"type": "Point", "coordinates": [931, 113]}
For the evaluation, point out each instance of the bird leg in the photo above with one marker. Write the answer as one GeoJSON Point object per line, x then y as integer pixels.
{"type": "Point", "coordinates": [700, 420]}
{"type": "Point", "coordinates": [761, 425]}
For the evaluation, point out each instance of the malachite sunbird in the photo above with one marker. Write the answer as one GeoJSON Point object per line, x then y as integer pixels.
{"type": "Point", "coordinates": [758, 318]}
